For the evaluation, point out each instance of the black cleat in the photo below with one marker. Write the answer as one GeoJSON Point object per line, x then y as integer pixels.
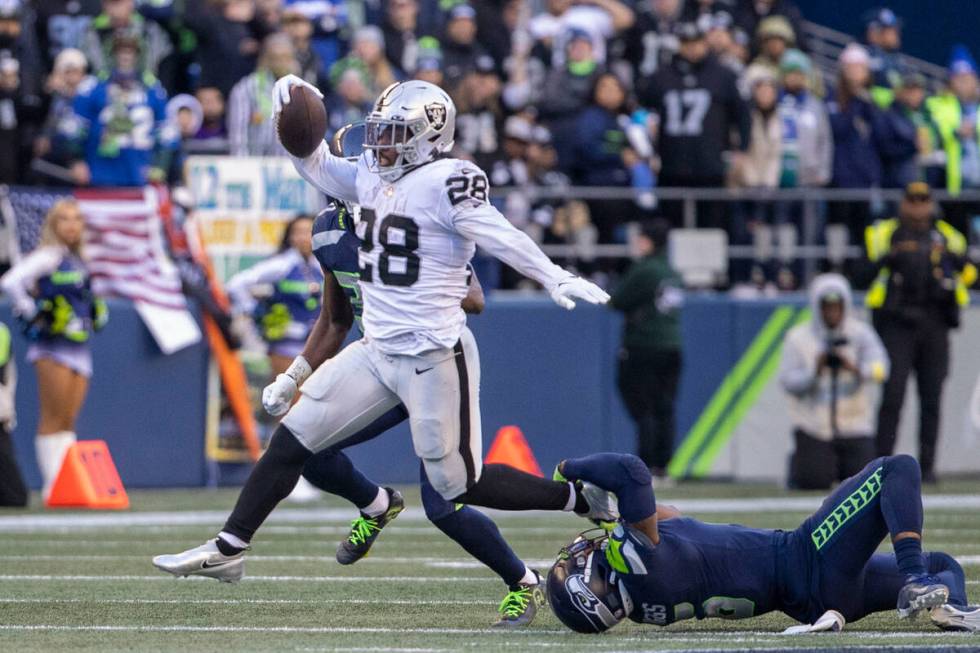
{"type": "Point", "coordinates": [365, 530]}
{"type": "Point", "coordinates": [520, 606]}
{"type": "Point", "coordinates": [920, 592]}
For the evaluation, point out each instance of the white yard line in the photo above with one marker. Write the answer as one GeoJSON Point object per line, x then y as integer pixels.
{"type": "Point", "coordinates": [297, 515]}
{"type": "Point", "coordinates": [256, 579]}
{"type": "Point", "coordinates": [317, 601]}
{"type": "Point", "coordinates": [437, 563]}
{"type": "Point", "coordinates": [730, 636]}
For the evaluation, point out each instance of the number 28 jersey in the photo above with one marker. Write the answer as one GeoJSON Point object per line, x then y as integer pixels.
{"type": "Point", "coordinates": [417, 236]}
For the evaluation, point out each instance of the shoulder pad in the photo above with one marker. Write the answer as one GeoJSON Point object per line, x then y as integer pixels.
{"type": "Point", "coordinates": [332, 216]}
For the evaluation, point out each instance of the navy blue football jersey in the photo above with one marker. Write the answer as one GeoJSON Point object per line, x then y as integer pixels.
{"type": "Point", "coordinates": [698, 570]}
{"type": "Point", "coordinates": [335, 246]}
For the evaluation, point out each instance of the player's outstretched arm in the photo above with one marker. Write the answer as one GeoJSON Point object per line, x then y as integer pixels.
{"type": "Point", "coordinates": [332, 175]}
{"type": "Point", "coordinates": [326, 338]}
{"type": "Point", "coordinates": [488, 228]}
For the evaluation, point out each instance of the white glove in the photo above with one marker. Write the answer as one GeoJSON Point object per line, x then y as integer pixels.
{"type": "Point", "coordinates": [280, 92]}
{"type": "Point", "coordinates": [578, 288]}
{"type": "Point", "coordinates": [277, 397]}
{"type": "Point", "coordinates": [831, 622]}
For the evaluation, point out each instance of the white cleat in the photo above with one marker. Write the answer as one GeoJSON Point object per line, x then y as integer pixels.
{"type": "Point", "coordinates": [956, 617]}
{"type": "Point", "coordinates": [204, 560]}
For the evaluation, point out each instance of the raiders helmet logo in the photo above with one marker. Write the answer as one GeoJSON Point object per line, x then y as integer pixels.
{"type": "Point", "coordinates": [436, 113]}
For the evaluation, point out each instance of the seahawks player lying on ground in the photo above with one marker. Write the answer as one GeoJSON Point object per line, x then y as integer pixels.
{"type": "Point", "coordinates": [657, 567]}
{"type": "Point", "coordinates": [358, 395]}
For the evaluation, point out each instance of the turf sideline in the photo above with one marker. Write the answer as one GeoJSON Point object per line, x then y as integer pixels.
{"type": "Point", "coordinates": [295, 515]}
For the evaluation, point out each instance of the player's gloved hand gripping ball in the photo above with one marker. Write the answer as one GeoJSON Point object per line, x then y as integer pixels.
{"type": "Point", "coordinates": [299, 115]}
{"type": "Point", "coordinates": [567, 290]}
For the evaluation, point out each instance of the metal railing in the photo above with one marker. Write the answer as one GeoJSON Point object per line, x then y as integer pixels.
{"type": "Point", "coordinates": [826, 44]}
{"type": "Point", "coordinates": [810, 247]}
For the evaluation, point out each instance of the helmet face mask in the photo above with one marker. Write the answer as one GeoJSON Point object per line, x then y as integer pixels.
{"type": "Point", "coordinates": [583, 591]}
{"type": "Point", "coordinates": [412, 123]}
{"type": "Point", "coordinates": [348, 141]}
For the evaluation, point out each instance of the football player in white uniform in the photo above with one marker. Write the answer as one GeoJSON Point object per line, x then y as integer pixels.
{"type": "Point", "coordinates": [421, 218]}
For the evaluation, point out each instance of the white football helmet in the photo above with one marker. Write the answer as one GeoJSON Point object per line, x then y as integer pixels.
{"type": "Point", "coordinates": [415, 121]}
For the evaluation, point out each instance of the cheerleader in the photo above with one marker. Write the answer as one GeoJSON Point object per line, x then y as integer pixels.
{"type": "Point", "coordinates": [285, 316]}
{"type": "Point", "coordinates": [52, 296]}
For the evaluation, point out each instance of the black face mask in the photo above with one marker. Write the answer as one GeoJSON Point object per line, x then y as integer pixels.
{"type": "Point", "coordinates": [7, 41]}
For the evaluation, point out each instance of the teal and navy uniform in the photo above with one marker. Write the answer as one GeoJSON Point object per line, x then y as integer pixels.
{"type": "Point", "coordinates": [65, 298]}
{"type": "Point", "coordinates": [52, 294]}
{"type": "Point", "coordinates": [335, 246]}
{"type": "Point", "coordinates": [285, 317]}
{"type": "Point", "coordinates": [701, 570]}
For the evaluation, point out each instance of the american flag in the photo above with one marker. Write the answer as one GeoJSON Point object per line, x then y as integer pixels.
{"type": "Point", "coordinates": [124, 246]}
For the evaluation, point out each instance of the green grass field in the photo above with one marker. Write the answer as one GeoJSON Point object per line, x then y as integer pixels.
{"type": "Point", "coordinates": [77, 581]}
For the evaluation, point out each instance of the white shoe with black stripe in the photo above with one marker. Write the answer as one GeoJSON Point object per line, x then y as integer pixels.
{"type": "Point", "coordinates": [956, 617]}
{"type": "Point", "coordinates": [205, 560]}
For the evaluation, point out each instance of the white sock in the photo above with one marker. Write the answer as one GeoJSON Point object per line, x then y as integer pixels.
{"type": "Point", "coordinates": [233, 540]}
{"type": "Point", "coordinates": [529, 578]}
{"type": "Point", "coordinates": [50, 451]}
{"type": "Point", "coordinates": [377, 507]}
{"type": "Point", "coordinates": [571, 498]}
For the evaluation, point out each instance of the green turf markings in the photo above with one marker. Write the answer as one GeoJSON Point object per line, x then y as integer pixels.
{"type": "Point", "coordinates": [735, 396]}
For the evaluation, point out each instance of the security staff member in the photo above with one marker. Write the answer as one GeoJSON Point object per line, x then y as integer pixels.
{"type": "Point", "coordinates": [650, 298]}
{"type": "Point", "coordinates": [915, 299]}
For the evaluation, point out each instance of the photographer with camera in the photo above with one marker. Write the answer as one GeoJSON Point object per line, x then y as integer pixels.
{"type": "Point", "coordinates": [922, 275]}
{"type": "Point", "coordinates": [831, 367]}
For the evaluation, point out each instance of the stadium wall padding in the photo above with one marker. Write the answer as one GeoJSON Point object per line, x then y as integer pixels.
{"type": "Point", "coordinates": [549, 371]}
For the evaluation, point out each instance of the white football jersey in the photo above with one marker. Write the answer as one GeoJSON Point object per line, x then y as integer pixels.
{"type": "Point", "coordinates": [417, 236]}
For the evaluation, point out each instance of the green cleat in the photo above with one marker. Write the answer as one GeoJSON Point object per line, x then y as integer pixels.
{"type": "Point", "coordinates": [520, 606]}
{"type": "Point", "coordinates": [365, 530]}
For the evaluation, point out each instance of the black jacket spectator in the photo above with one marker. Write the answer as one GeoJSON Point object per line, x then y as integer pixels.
{"type": "Point", "coordinates": [228, 43]}
{"type": "Point", "coordinates": [750, 13]}
{"type": "Point", "coordinates": [401, 31]}
{"type": "Point", "coordinates": [700, 108]}
{"type": "Point", "coordinates": [62, 24]}
{"type": "Point", "coordinates": [651, 43]}
{"type": "Point", "coordinates": [18, 42]}
{"type": "Point", "coordinates": [898, 147]}
{"type": "Point", "coordinates": [15, 130]}
{"type": "Point", "coordinates": [598, 144]}
{"type": "Point", "coordinates": [856, 123]}
{"type": "Point", "coordinates": [460, 49]}
{"type": "Point", "coordinates": [478, 115]}
{"type": "Point", "coordinates": [858, 128]}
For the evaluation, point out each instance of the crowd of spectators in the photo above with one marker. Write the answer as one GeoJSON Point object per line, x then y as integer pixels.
{"type": "Point", "coordinates": [550, 93]}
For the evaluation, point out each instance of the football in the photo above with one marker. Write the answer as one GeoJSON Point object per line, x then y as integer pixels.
{"type": "Point", "coordinates": [302, 123]}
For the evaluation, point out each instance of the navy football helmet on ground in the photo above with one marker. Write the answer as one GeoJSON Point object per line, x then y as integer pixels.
{"type": "Point", "coordinates": [582, 587]}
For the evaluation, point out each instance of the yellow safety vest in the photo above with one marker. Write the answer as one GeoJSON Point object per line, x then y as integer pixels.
{"type": "Point", "coordinates": [947, 114]}
{"type": "Point", "coordinates": [878, 241]}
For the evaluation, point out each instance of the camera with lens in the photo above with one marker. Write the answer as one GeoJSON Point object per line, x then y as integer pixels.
{"type": "Point", "coordinates": [834, 360]}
